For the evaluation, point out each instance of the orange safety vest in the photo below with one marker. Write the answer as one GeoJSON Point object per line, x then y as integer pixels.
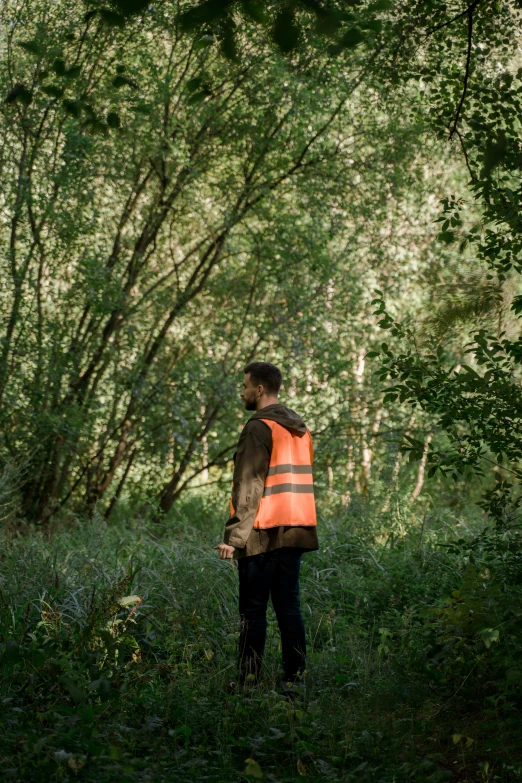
{"type": "Point", "coordinates": [288, 496]}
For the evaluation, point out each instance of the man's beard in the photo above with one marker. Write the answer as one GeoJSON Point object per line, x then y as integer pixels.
{"type": "Point", "coordinates": [250, 405]}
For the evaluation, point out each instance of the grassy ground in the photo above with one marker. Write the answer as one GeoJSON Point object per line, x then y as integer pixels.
{"type": "Point", "coordinates": [118, 644]}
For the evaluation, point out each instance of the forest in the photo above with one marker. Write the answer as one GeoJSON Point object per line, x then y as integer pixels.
{"type": "Point", "coordinates": [334, 187]}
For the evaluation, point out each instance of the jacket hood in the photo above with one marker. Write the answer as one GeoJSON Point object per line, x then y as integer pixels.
{"type": "Point", "coordinates": [282, 415]}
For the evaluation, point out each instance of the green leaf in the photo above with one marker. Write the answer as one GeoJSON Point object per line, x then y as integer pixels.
{"type": "Point", "coordinates": [73, 72]}
{"type": "Point", "coordinates": [285, 32]}
{"type": "Point", "coordinates": [58, 66]}
{"type": "Point", "coordinates": [72, 107]}
{"type": "Point", "coordinates": [198, 89]}
{"type": "Point", "coordinates": [375, 25]}
{"type": "Point", "coordinates": [194, 84]}
{"type": "Point", "coordinates": [38, 658]}
{"type": "Point", "coordinates": [142, 108]}
{"type": "Point", "coordinates": [203, 43]}
{"type": "Point", "coordinates": [53, 90]}
{"type": "Point", "coordinates": [129, 600]}
{"type": "Point", "coordinates": [495, 153]}
{"type": "Point", "coordinates": [255, 11]}
{"type": "Point", "coordinates": [31, 46]}
{"type": "Point", "coordinates": [12, 651]}
{"type": "Point", "coordinates": [327, 25]}
{"type": "Point", "coordinates": [471, 371]}
{"type": "Point", "coordinates": [253, 770]}
{"type": "Point", "coordinates": [488, 636]}
{"type": "Point", "coordinates": [228, 41]}
{"type": "Point", "coordinates": [386, 322]}
{"type": "Point", "coordinates": [197, 97]}
{"type": "Point", "coordinates": [76, 692]}
{"type": "Point", "coordinates": [106, 691]}
{"type": "Point", "coordinates": [131, 7]}
{"type": "Point", "coordinates": [122, 81]}
{"type": "Point", "coordinates": [113, 120]}
{"type": "Point", "coordinates": [97, 126]}
{"type": "Point", "coordinates": [352, 37]}
{"type": "Point", "coordinates": [111, 18]}
{"type": "Point", "coordinates": [20, 93]}
{"type": "Point", "coordinates": [516, 305]}
{"type": "Point", "coordinates": [204, 13]}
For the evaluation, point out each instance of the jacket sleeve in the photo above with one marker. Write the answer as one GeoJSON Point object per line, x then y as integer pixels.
{"type": "Point", "coordinates": [250, 471]}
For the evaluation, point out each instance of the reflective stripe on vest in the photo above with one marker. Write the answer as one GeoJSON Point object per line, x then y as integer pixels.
{"type": "Point", "coordinates": [288, 495]}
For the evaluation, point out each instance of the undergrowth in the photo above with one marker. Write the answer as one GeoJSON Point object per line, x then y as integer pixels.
{"type": "Point", "coordinates": [119, 642]}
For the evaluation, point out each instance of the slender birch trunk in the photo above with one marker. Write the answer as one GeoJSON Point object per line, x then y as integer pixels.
{"type": "Point", "coordinates": [422, 469]}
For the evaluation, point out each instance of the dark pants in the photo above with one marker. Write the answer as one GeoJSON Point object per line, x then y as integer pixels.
{"type": "Point", "coordinates": [274, 574]}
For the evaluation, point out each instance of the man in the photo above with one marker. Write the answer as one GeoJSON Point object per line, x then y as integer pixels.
{"type": "Point", "coordinates": [272, 523]}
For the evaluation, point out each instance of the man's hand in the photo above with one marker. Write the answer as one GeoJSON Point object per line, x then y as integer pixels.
{"type": "Point", "coordinates": [226, 552]}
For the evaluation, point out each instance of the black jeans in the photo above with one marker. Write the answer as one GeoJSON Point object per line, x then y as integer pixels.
{"type": "Point", "coordinates": [274, 574]}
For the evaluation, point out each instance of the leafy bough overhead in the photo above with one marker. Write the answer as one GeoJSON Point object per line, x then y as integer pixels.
{"type": "Point", "coordinates": [167, 216]}
{"type": "Point", "coordinates": [478, 409]}
{"type": "Point", "coordinates": [169, 213]}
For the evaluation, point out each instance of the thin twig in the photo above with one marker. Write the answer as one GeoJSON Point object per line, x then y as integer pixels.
{"type": "Point", "coordinates": [465, 153]}
{"type": "Point", "coordinates": [466, 74]}
{"type": "Point", "coordinates": [454, 19]}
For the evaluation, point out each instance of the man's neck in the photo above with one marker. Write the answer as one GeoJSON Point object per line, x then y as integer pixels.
{"type": "Point", "coordinates": [264, 402]}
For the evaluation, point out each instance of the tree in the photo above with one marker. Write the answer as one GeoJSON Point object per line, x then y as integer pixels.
{"type": "Point", "coordinates": [142, 175]}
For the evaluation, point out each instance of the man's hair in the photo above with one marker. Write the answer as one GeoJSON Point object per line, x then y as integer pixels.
{"type": "Point", "coordinates": [265, 374]}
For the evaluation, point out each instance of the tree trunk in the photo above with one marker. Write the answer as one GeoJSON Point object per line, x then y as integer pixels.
{"type": "Point", "coordinates": [396, 469]}
{"type": "Point", "coordinates": [422, 469]}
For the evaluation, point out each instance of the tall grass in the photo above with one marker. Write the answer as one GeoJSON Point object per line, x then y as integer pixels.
{"type": "Point", "coordinates": [119, 642]}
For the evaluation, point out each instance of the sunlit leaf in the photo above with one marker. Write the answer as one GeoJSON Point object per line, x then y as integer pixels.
{"type": "Point", "coordinates": [128, 600]}
{"type": "Point", "coordinates": [203, 43]}
{"type": "Point", "coordinates": [253, 770]}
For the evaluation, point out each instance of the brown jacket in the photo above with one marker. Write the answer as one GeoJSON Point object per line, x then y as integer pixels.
{"type": "Point", "coordinates": [252, 459]}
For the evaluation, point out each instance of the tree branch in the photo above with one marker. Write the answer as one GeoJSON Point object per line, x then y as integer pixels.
{"type": "Point", "coordinates": [466, 74]}
{"type": "Point", "coordinates": [467, 10]}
